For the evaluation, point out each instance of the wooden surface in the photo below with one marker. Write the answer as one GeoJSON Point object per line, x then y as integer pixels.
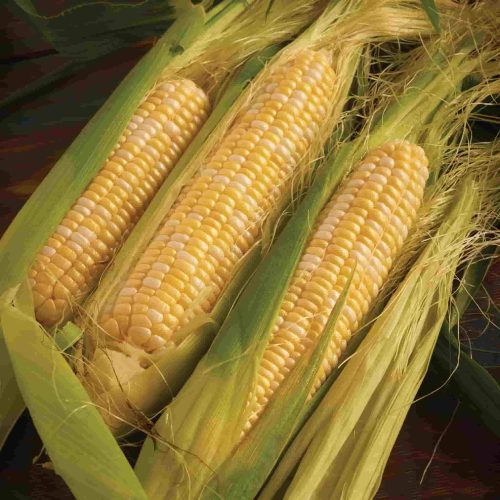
{"type": "Point", "coordinates": [33, 135]}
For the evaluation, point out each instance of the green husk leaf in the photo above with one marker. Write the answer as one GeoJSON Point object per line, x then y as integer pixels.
{"type": "Point", "coordinates": [431, 10]}
{"type": "Point", "coordinates": [102, 27]}
{"type": "Point", "coordinates": [62, 414]}
{"type": "Point", "coordinates": [343, 447]}
{"type": "Point", "coordinates": [239, 476]}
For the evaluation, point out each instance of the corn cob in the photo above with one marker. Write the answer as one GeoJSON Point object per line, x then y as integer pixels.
{"type": "Point", "coordinates": [75, 255]}
{"type": "Point", "coordinates": [358, 234]}
{"type": "Point", "coordinates": [218, 215]}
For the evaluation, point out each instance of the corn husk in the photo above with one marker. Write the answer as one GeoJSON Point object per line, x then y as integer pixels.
{"type": "Point", "coordinates": [191, 47]}
{"type": "Point", "coordinates": [197, 439]}
{"type": "Point", "coordinates": [123, 402]}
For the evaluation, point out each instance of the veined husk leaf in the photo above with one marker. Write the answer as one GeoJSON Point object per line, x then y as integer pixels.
{"type": "Point", "coordinates": [80, 445]}
{"type": "Point", "coordinates": [191, 48]}
{"type": "Point", "coordinates": [197, 437]}
{"type": "Point", "coordinates": [342, 449]}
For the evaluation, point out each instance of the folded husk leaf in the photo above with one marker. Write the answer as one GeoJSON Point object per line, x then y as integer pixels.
{"type": "Point", "coordinates": [80, 445]}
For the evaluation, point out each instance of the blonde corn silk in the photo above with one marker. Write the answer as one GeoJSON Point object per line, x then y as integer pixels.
{"type": "Point", "coordinates": [75, 255]}
{"type": "Point", "coordinates": [219, 213]}
{"type": "Point", "coordinates": [359, 233]}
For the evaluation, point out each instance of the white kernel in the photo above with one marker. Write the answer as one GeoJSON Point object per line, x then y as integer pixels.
{"type": "Point", "coordinates": [171, 222]}
{"type": "Point", "coordinates": [197, 283]}
{"type": "Point", "coordinates": [386, 161]}
{"type": "Point", "coordinates": [298, 94]}
{"type": "Point", "coordinates": [238, 186]}
{"type": "Point", "coordinates": [171, 128]}
{"type": "Point", "coordinates": [152, 152]}
{"type": "Point", "coordinates": [276, 130]}
{"type": "Point", "coordinates": [75, 246]}
{"type": "Point", "coordinates": [356, 183]}
{"type": "Point", "coordinates": [161, 237]}
{"type": "Point", "coordinates": [366, 167]}
{"type": "Point", "coordinates": [153, 124]}
{"type": "Point", "coordinates": [345, 198]}
{"type": "Point", "coordinates": [137, 140]}
{"type": "Point", "coordinates": [124, 184]}
{"type": "Point", "coordinates": [323, 235]}
{"type": "Point", "coordinates": [306, 266]}
{"type": "Point", "coordinates": [123, 153]}
{"type": "Point", "coordinates": [82, 210]}
{"type": "Point", "coordinates": [49, 251]}
{"type": "Point", "coordinates": [194, 215]}
{"type": "Point", "coordinates": [150, 282]}
{"type": "Point", "coordinates": [243, 179]}
{"type": "Point", "coordinates": [236, 222]}
{"type": "Point", "coordinates": [137, 119]}
{"type": "Point", "coordinates": [155, 342]}
{"type": "Point", "coordinates": [379, 179]}
{"type": "Point", "coordinates": [216, 252]}
{"type": "Point", "coordinates": [177, 245]}
{"type": "Point", "coordinates": [145, 131]}
{"type": "Point", "coordinates": [208, 172]}
{"type": "Point", "coordinates": [64, 231]}
{"type": "Point", "coordinates": [90, 235]}
{"type": "Point", "coordinates": [167, 87]}
{"type": "Point", "coordinates": [172, 103]}
{"type": "Point", "coordinates": [103, 212]}
{"type": "Point", "coordinates": [80, 239]}
{"type": "Point", "coordinates": [187, 257]}
{"type": "Point", "coordinates": [266, 143]}
{"type": "Point", "coordinates": [314, 73]}
{"type": "Point", "coordinates": [277, 96]}
{"type": "Point", "coordinates": [223, 179]}
{"type": "Point", "coordinates": [86, 203]}
{"type": "Point", "coordinates": [296, 103]}
{"type": "Point", "coordinates": [313, 259]}
{"type": "Point", "coordinates": [184, 238]}
{"type": "Point", "coordinates": [270, 87]}
{"type": "Point", "coordinates": [293, 327]}
{"type": "Point", "coordinates": [128, 291]}
{"type": "Point", "coordinates": [237, 158]}
{"type": "Point", "coordinates": [332, 220]}
{"type": "Point", "coordinates": [155, 316]}
{"type": "Point", "coordinates": [283, 151]}
{"type": "Point", "coordinates": [161, 267]}
{"type": "Point", "coordinates": [259, 124]}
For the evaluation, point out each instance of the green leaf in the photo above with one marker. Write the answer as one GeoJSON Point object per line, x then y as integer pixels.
{"type": "Point", "coordinates": [431, 10]}
{"type": "Point", "coordinates": [81, 447]}
{"type": "Point", "coordinates": [86, 29]}
{"type": "Point", "coordinates": [241, 476]}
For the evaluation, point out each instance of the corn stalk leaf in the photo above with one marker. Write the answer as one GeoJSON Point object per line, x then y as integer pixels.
{"type": "Point", "coordinates": [102, 27]}
{"type": "Point", "coordinates": [62, 414]}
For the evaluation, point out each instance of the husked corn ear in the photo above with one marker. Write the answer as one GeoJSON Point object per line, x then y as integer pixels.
{"type": "Point", "coordinates": [217, 217]}
{"type": "Point", "coordinates": [75, 255]}
{"type": "Point", "coordinates": [359, 233]}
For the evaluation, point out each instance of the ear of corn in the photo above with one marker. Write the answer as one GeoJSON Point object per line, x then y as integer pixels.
{"type": "Point", "coordinates": [217, 216]}
{"type": "Point", "coordinates": [126, 356]}
{"type": "Point", "coordinates": [378, 404]}
{"type": "Point", "coordinates": [188, 50]}
{"type": "Point", "coordinates": [231, 365]}
{"type": "Point", "coordinates": [78, 251]}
